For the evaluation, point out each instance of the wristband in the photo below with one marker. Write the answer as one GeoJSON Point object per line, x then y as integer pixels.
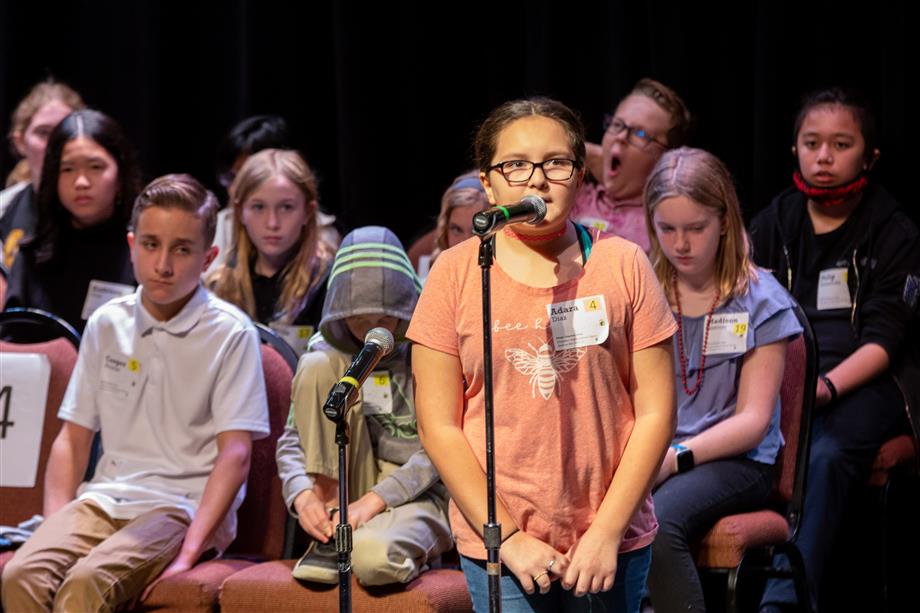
{"type": "Point", "coordinates": [830, 387]}
{"type": "Point", "coordinates": [684, 457]}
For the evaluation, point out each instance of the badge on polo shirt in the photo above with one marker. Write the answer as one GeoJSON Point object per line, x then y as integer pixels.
{"type": "Point", "coordinates": [296, 336]}
{"type": "Point", "coordinates": [833, 291]}
{"type": "Point", "coordinates": [727, 333]}
{"type": "Point", "coordinates": [578, 323]}
{"type": "Point", "coordinates": [120, 375]}
{"type": "Point", "coordinates": [378, 394]}
{"type": "Point", "coordinates": [100, 292]}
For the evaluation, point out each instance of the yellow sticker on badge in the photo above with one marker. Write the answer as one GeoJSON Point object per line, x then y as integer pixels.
{"type": "Point", "coordinates": [592, 304]}
{"type": "Point", "coordinates": [376, 394]}
{"type": "Point", "coordinates": [304, 331]}
{"type": "Point", "coordinates": [727, 332]}
{"type": "Point", "coordinates": [134, 365]}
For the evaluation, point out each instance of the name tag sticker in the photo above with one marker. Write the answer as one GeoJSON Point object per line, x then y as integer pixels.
{"type": "Point", "coordinates": [593, 222]}
{"type": "Point", "coordinates": [833, 291]}
{"type": "Point", "coordinates": [100, 292]}
{"type": "Point", "coordinates": [378, 394]}
{"type": "Point", "coordinates": [298, 337]}
{"type": "Point", "coordinates": [578, 323]}
{"type": "Point", "coordinates": [120, 375]}
{"type": "Point", "coordinates": [727, 333]}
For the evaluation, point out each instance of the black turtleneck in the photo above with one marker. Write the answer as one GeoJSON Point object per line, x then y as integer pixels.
{"type": "Point", "coordinates": [59, 285]}
{"type": "Point", "coordinates": [267, 290]}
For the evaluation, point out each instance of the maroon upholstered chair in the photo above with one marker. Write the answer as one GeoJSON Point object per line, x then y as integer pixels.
{"type": "Point", "coordinates": [261, 518]}
{"type": "Point", "coordinates": [732, 544]}
{"type": "Point", "coordinates": [20, 503]}
{"type": "Point", "coordinates": [270, 587]}
{"type": "Point", "coordinates": [896, 470]}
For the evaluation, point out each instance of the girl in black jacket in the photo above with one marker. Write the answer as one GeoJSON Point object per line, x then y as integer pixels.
{"type": "Point", "coordinates": [847, 252]}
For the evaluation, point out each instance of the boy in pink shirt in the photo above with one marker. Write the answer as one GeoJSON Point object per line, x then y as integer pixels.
{"type": "Point", "coordinates": [646, 123]}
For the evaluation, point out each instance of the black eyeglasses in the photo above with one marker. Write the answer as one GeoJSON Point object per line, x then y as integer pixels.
{"type": "Point", "coordinates": [635, 135]}
{"type": "Point", "coordinates": [520, 171]}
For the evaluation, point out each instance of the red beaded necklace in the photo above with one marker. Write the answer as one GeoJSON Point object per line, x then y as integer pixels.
{"type": "Point", "coordinates": [680, 341]}
{"type": "Point", "coordinates": [533, 238]}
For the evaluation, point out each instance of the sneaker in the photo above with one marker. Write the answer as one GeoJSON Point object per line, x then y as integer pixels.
{"type": "Point", "coordinates": [320, 563]}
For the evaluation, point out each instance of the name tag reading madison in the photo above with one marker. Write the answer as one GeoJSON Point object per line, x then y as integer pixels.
{"type": "Point", "coordinates": [727, 333]}
{"type": "Point", "coordinates": [578, 323]}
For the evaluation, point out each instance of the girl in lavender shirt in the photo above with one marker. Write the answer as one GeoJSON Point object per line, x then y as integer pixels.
{"type": "Point", "coordinates": [734, 322]}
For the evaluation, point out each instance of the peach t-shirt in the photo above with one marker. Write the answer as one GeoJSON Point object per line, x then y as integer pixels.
{"type": "Point", "coordinates": [562, 417]}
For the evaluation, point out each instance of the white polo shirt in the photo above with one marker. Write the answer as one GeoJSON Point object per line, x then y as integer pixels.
{"type": "Point", "coordinates": [160, 392]}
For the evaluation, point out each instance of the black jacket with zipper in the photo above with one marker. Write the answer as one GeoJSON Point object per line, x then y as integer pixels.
{"type": "Point", "coordinates": [883, 263]}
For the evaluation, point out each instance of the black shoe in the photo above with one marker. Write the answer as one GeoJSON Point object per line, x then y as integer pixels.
{"type": "Point", "coordinates": [319, 563]}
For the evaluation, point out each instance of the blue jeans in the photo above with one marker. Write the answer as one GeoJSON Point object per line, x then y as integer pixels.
{"type": "Point", "coordinates": [628, 587]}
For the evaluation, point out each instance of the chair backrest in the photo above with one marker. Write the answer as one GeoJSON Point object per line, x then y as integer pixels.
{"type": "Point", "coordinates": [797, 399]}
{"type": "Point", "coordinates": [270, 337]}
{"type": "Point", "coordinates": [21, 503]}
{"type": "Point", "coordinates": [262, 516]}
{"type": "Point", "coordinates": [21, 325]}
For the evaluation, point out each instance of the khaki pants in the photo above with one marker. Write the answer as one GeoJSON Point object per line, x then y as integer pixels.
{"type": "Point", "coordinates": [396, 545]}
{"type": "Point", "coordinates": [80, 559]}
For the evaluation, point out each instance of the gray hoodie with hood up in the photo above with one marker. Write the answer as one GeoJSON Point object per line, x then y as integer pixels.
{"type": "Point", "coordinates": [371, 275]}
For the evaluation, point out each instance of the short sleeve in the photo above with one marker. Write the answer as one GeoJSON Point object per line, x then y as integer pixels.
{"type": "Point", "coordinates": [653, 321]}
{"type": "Point", "coordinates": [771, 309]}
{"type": "Point", "coordinates": [239, 401]}
{"type": "Point", "coordinates": [434, 320]}
{"type": "Point", "coordinates": [79, 403]}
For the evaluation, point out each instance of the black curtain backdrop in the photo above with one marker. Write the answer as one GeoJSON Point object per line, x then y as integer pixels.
{"type": "Point", "coordinates": [383, 98]}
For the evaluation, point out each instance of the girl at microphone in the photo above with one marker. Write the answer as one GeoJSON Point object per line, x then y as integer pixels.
{"type": "Point", "coordinates": [733, 322]}
{"type": "Point", "coordinates": [583, 381]}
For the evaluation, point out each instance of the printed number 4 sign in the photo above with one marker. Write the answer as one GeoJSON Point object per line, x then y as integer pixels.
{"type": "Point", "coordinates": [24, 381]}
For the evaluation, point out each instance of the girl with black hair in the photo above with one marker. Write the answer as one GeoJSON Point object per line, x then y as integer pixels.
{"type": "Point", "coordinates": [78, 258]}
{"type": "Point", "coordinates": [846, 250]}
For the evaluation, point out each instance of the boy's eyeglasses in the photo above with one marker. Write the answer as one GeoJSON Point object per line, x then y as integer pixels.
{"type": "Point", "coordinates": [635, 135]}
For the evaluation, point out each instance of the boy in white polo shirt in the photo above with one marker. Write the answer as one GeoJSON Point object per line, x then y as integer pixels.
{"type": "Point", "coordinates": [172, 378]}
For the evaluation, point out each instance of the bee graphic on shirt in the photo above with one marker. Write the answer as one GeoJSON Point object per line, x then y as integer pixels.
{"type": "Point", "coordinates": [545, 366]}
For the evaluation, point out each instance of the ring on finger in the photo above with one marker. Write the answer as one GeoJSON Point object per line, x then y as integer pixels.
{"type": "Point", "coordinates": [550, 565]}
{"type": "Point", "coordinates": [543, 574]}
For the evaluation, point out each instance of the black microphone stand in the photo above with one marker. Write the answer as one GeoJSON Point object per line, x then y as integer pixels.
{"type": "Point", "coordinates": [491, 530]}
{"type": "Point", "coordinates": [336, 408]}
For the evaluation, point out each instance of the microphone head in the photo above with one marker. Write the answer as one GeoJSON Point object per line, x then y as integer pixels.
{"type": "Point", "coordinates": [481, 223]}
{"type": "Point", "coordinates": [539, 208]}
{"type": "Point", "coordinates": [381, 337]}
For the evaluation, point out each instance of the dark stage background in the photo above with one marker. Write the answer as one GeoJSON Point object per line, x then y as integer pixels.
{"type": "Point", "coordinates": [383, 98]}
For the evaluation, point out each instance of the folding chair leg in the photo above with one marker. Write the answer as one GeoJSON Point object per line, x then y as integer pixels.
{"type": "Point", "coordinates": [798, 577]}
{"type": "Point", "coordinates": [883, 528]}
{"type": "Point", "coordinates": [731, 589]}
